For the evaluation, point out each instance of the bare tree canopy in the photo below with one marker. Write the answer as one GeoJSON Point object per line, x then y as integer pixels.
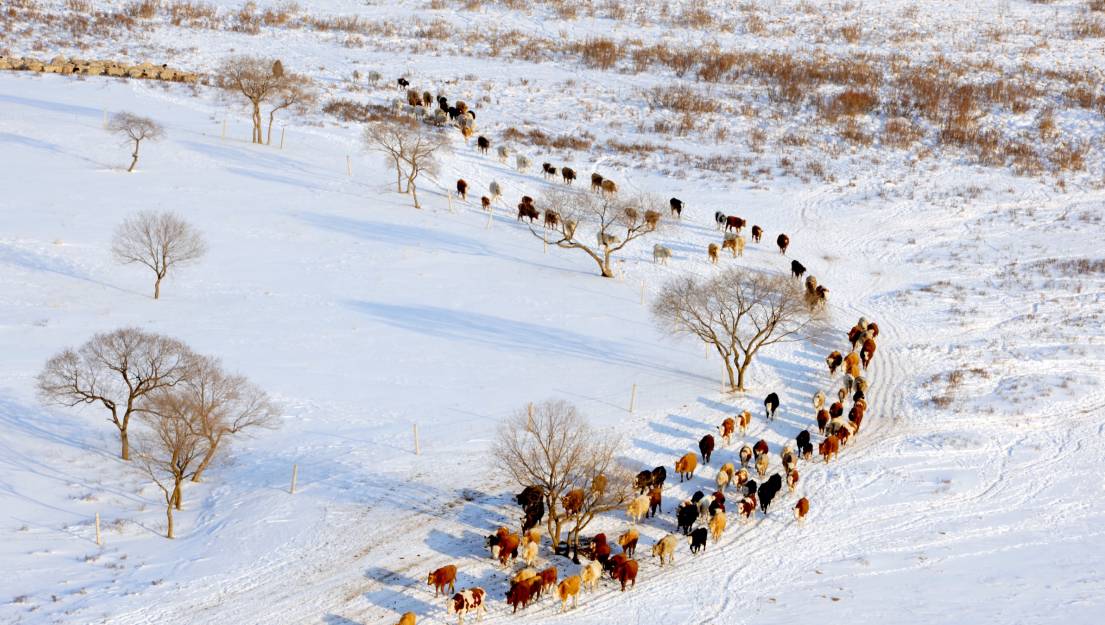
{"type": "Point", "coordinates": [599, 225]}
{"type": "Point", "coordinates": [558, 451]}
{"type": "Point", "coordinates": [171, 449]}
{"type": "Point", "coordinates": [135, 129]}
{"type": "Point", "coordinates": [738, 311]}
{"type": "Point", "coordinates": [265, 81]}
{"type": "Point", "coordinates": [220, 405]}
{"type": "Point", "coordinates": [158, 241]}
{"type": "Point", "coordinates": [116, 370]}
{"type": "Point", "coordinates": [409, 146]}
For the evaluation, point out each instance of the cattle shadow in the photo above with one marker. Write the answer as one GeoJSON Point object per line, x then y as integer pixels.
{"type": "Point", "coordinates": [501, 333]}
{"type": "Point", "coordinates": [719, 406]}
{"type": "Point", "coordinates": [334, 619]}
{"type": "Point", "coordinates": [660, 428]}
{"type": "Point", "coordinates": [691, 423]}
{"type": "Point", "coordinates": [658, 449]}
{"type": "Point", "coordinates": [467, 544]}
{"type": "Point", "coordinates": [398, 601]}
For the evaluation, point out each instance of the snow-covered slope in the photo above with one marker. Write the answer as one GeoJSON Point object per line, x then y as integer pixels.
{"type": "Point", "coordinates": [972, 495]}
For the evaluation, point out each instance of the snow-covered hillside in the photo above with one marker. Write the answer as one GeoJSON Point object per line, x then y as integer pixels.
{"type": "Point", "coordinates": [972, 494]}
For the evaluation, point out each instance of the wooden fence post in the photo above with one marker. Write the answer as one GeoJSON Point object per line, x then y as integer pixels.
{"type": "Point", "coordinates": [450, 195]}
{"type": "Point", "coordinates": [295, 474]}
{"type": "Point", "coordinates": [417, 446]}
{"type": "Point", "coordinates": [105, 117]}
{"type": "Point", "coordinates": [99, 541]}
{"type": "Point", "coordinates": [282, 129]}
{"type": "Point", "coordinates": [348, 165]}
{"type": "Point", "coordinates": [633, 398]}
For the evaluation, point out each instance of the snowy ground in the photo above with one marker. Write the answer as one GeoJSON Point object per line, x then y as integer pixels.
{"type": "Point", "coordinates": [364, 316]}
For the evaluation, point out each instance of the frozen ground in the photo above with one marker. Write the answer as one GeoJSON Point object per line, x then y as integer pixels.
{"type": "Point", "coordinates": [973, 494]}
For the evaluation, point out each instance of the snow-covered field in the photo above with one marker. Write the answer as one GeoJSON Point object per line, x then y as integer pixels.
{"type": "Point", "coordinates": [972, 495]}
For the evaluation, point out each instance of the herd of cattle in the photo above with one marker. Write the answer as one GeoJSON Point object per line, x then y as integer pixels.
{"type": "Point", "coordinates": [706, 511]}
{"type": "Point", "coordinates": [701, 517]}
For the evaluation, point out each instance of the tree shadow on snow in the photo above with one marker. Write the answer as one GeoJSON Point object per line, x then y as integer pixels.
{"type": "Point", "coordinates": [467, 544]}
{"type": "Point", "coordinates": [660, 428]}
{"type": "Point", "coordinates": [691, 423]}
{"type": "Point", "coordinates": [658, 449]}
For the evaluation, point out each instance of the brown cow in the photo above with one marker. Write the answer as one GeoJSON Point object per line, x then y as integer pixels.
{"type": "Point", "coordinates": [736, 245]}
{"type": "Point", "coordinates": [527, 210]}
{"type": "Point", "coordinates": [757, 234]}
{"type": "Point", "coordinates": [836, 410]}
{"type": "Point", "coordinates": [745, 419]}
{"type": "Point", "coordinates": [801, 509]}
{"type": "Point", "coordinates": [783, 241]}
{"type": "Point", "coordinates": [548, 578]}
{"type": "Point", "coordinates": [873, 328]}
{"type": "Point", "coordinates": [609, 187]}
{"type": "Point", "coordinates": [568, 588]}
{"type": "Point", "coordinates": [445, 576]}
{"type": "Point", "coordinates": [520, 594]}
{"type": "Point", "coordinates": [855, 335]}
{"type": "Point", "coordinates": [851, 361]}
{"type": "Point", "coordinates": [844, 434]}
{"type": "Point", "coordinates": [655, 499]}
{"type": "Point", "coordinates": [747, 507]}
{"type": "Point", "coordinates": [407, 618]}
{"type": "Point", "coordinates": [462, 189]}
{"type": "Point", "coordinates": [856, 419]}
{"type": "Point", "coordinates": [485, 203]}
{"type": "Point", "coordinates": [792, 480]}
{"type": "Point", "coordinates": [568, 174]}
{"type": "Point", "coordinates": [823, 417]}
{"type": "Point", "coordinates": [834, 360]}
{"type": "Point", "coordinates": [867, 353]}
{"type": "Point", "coordinates": [727, 427]}
{"type": "Point", "coordinates": [551, 219]}
{"type": "Point", "coordinates": [734, 223]}
{"type": "Point", "coordinates": [573, 501]}
{"type": "Point", "coordinates": [829, 447]}
{"type": "Point", "coordinates": [760, 449]}
{"type": "Point", "coordinates": [711, 252]}
{"type": "Point", "coordinates": [626, 572]}
{"type": "Point", "coordinates": [600, 549]}
{"type": "Point", "coordinates": [596, 182]}
{"type": "Point", "coordinates": [628, 542]}
{"type": "Point", "coordinates": [686, 465]}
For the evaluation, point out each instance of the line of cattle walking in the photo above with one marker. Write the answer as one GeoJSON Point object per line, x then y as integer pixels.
{"type": "Point", "coordinates": [529, 584]}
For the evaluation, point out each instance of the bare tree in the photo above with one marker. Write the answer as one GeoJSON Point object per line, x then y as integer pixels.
{"type": "Point", "coordinates": [158, 241]}
{"type": "Point", "coordinates": [557, 450]}
{"type": "Point", "coordinates": [136, 129]}
{"type": "Point", "coordinates": [263, 81]}
{"type": "Point", "coordinates": [220, 405]}
{"type": "Point", "coordinates": [737, 311]}
{"type": "Point", "coordinates": [614, 223]}
{"type": "Point", "coordinates": [169, 452]}
{"type": "Point", "coordinates": [409, 146]}
{"type": "Point", "coordinates": [116, 370]}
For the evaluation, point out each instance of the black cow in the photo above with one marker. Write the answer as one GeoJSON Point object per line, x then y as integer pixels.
{"type": "Point", "coordinates": [643, 481]}
{"type": "Point", "coordinates": [802, 439]}
{"type": "Point", "coordinates": [706, 447]}
{"type": "Point", "coordinates": [797, 269]}
{"type": "Point", "coordinates": [750, 487]}
{"type": "Point", "coordinates": [768, 490]}
{"type": "Point", "coordinates": [697, 496]}
{"type": "Point", "coordinates": [676, 207]}
{"type": "Point", "coordinates": [685, 516]}
{"type": "Point", "coordinates": [659, 476]}
{"type": "Point", "coordinates": [403, 83]}
{"type": "Point", "coordinates": [698, 539]}
{"type": "Point", "coordinates": [771, 404]}
{"type": "Point", "coordinates": [719, 218]}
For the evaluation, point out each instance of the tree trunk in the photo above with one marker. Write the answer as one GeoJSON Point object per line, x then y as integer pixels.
{"type": "Point", "coordinates": [398, 178]}
{"type": "Point", "coordinates": [206, 461]}
{"type": "Point", "coordinates": [125, 442]}
{"type": "Point", "coordinates": [414, 191]}
{"type": "Point", "coordinates": [268, 133]}
{"type": "Point", "coordinates": [134, 158]}
{"type": "Point", "coordinates": [729, 371]}
{"type": "Point", "coordinates": [157, 288]}
{"type": "Point", "coordinates": [256, 121]}
{"type": "Point", "coordinates": [607, 272]}
{"type": "Point", "coordinates": [176, 493]}
{"type": "Point", "coordinates": [741, 368]}
{"type": "Point", "coordinates": [169, 517]}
